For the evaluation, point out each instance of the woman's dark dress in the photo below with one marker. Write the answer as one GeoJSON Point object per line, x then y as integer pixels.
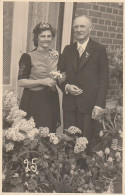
{"type": "Point", "coordinates": [42, 103]}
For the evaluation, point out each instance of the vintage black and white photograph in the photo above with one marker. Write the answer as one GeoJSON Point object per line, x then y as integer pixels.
{"type": "Point", "coordinates": [62, 113]}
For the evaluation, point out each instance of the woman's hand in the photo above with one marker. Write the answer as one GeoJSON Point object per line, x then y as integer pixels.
{"type": "Point", "coordinates": [62, 79]}
{"type": "Point", "coordinates": [48, 82]}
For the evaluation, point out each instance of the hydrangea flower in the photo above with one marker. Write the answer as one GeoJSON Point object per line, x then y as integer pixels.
{"type": "Point", "coordinates": [31, 134]}
{"type": "Point", "coordinates": [44, 131]}
{"type": "Point", "coordinates": [15, 114]}
{"type": "Point", "coordinates": [100, 153]}
{"type": "Point", "coordinates": [53, 138]}
{"type": "Point", "coordinates": [9, 146]}
{"type": "Point", "coordinates": [118, 156]}
{"type": "Point", "coordinates": [74, 130]}
{"type": "Point", "coordinates": [110, 159]}
{"type": "Point", "coordinates": [107, 151]}
{"type": "Point", "coordinates": [16, 175]}
{"type": "Point", "coordinates": [14, 134]}
{"type": "Point", "coordinates": [3, 176]}
{"type": "Point", "coordinates": [9, 101]}
{"type": "Point", "coordinates": [120, 133]}
{"type": "Point", "coordinates": [80, 144]}
{"type": "Point", "coordinates": [101, 133]}
{"type": "Point", "coordinates": [25, 125]}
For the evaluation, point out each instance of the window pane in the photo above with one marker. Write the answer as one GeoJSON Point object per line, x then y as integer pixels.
{"type": "Point", "coordinates": [41, 12]}
{"type": "Point", "coordinates": [7, 40]}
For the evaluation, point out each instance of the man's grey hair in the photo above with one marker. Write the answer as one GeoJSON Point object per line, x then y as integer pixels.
{"type": "Point", "coordinates": [83, 16]}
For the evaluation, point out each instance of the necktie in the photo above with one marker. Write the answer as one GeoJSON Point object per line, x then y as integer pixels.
{"type": "Point", "coordinates": [80, 50]}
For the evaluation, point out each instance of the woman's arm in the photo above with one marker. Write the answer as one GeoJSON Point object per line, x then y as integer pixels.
{"type": "Point", "coordinates": [27, 83]}
{"type": "Point", "coordinates": [24, 72]}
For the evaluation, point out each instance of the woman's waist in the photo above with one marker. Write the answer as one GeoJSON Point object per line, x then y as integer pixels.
{"type": "Point", "coordinates": [39, 75]}
{"type": "Point", "coordinates": [36, 77]}
{"type": "Point", "coordinates": [41, 89]}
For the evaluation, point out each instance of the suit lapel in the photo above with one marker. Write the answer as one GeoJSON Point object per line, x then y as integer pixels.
{"type": "Point", "coordinates": [86, 54]}
{"type": "Point", "coordinates": [74, 56]}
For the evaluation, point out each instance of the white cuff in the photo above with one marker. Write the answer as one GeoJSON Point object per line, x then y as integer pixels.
{"type": "Point", "coordinates": [66, 89]}
{"type": "Point", "coordinates": [98, 107]}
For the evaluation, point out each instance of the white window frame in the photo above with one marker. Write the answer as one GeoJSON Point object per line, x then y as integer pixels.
{"type": "Point", "coordinates": [67, 24]}
{"type": "Point", "coordinates": [19, 40]}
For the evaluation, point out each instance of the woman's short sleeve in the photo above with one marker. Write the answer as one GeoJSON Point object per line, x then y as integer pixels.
{"type": "Point", "coordinates": [24, 66]}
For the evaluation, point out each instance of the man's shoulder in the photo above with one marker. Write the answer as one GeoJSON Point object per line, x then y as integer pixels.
{"type": "Point", "coordinates": [71, 45]}
{"type": "Point", "coordinates": [97, 45]}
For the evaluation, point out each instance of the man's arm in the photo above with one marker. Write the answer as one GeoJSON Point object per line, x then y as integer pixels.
{"type": "Point", "coordinates": [62, 67]}
{"type": "Point", "coordinates": [103, 78]}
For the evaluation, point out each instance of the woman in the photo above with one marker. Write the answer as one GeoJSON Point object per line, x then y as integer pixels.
{"type": "Point", "coordinates": [40, 97]}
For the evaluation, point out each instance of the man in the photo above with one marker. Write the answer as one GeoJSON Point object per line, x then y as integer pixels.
{"type": "Point", "coordinates": [84, 90]}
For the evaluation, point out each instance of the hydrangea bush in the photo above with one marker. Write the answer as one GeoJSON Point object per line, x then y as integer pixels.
{"type": "Point", "coordinates": [115, 57]}
{"type": "Point", "coordinates": [108, 153]}
{"type": "Point", "coordinates": [35, 160]}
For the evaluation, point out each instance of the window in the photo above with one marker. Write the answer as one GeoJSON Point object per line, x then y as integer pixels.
{"type": "Point", "coordinates": [7, 40]}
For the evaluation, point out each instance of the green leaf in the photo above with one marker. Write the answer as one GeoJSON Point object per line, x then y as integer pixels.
{"type": "Point", "coordinates": [33, 144]}
{"type": "Point", "coordinates": [27, 141]}
{"type": "Point", "coordinates": [32, 184]}
{"type": "Point", "coordinates": [14, 157]}
{"type": "Point", "coordinates": [54, 148]}
{"type": "Point", "coordinates": [42, 178]}
{"type": "Point", "coordinates": [64, 137]}
{"type": "Point", "coordinates": [42, 148]}
{"type": "Point", "coordinates": [18, 188]}
{"type": "Point", "coordinates": [16, 181]}
{"type": "Point", "coordinates": [10, 173]}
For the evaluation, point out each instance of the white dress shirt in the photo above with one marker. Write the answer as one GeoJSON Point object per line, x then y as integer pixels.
{"type": "Point", "coordinates": [83, 45]}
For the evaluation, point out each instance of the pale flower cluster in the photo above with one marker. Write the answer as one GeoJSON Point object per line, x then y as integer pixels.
{"type": "Point", "coordinates": [21, 127]}
{"type": "Point", "coordinates": [114, 144]}
{"type": "Point", "coordinates": [21, 130]}
{"type": "Point", "coordinates": [53, 138]}
{"type": "Point", "coordinates": [13, 134]}
{"type": "Point", "coordinates": [44, 131]}
{"type": "Point", "coordinates": [55, 74]}
{"type": "Point", "coordinates": [3, 176]}
{"type": "Point", "coordinates": [100, 153]}
{"type": "Point", "coordinates": [118, 156]}
{"type": "Point", "coordinates": [31, 134]}
{"type": "Point", "coordinates": [24, 124]}
{"type": "Point", "coordinates": [16, 175]}
{"type": "Point", "coordinates": [107, 151]}
{"type": "Point", "coordinates": [74, 130]}
{"type": "Point", "coordinates": [110, 159]}
{"type": "Point", "coordinates": [15, 114]}
{"type": "Point", "coordinates": [9, 101]}
{"type": "Point", "coordinates": [9, 146]}
{"type": "Point", "coordinates": [80, 144]}
{"type": "Point", "coordinates": [101, 133]}
{"type": "Point", "coordinates": [120, 133]}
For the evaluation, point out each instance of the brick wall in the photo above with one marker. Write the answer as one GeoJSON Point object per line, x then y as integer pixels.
{"type": "Point", "coordinates": [107, 19]}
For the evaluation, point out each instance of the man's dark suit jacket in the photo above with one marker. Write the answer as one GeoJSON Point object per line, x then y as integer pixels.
{"type": "Point", "coordinates": [89, 73]}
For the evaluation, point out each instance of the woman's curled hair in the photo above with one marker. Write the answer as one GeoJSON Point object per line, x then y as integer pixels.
{"type": "Point", "coordinates": [39, 28]}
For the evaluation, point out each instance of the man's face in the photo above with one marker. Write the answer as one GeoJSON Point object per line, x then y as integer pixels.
{"type": "Point", "coordinates": [82, 28]}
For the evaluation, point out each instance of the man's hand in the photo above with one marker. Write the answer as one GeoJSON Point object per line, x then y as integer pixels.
{"type": "Point", "coordinates": [96, 113]}
{"type": "Point", "coordinates": [73, 89]}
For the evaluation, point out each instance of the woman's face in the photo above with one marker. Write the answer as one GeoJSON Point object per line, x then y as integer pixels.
{"type": "Point", "coordinates": [45, 39]}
